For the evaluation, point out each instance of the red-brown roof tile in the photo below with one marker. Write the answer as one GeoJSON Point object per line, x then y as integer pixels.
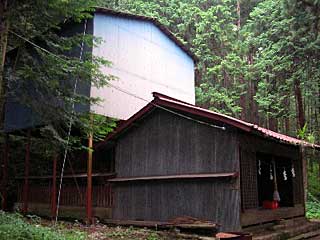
{"type": "Point", "coordinates": [163, 101]}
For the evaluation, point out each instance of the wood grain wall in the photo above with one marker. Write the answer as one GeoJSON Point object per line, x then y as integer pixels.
{"type": "Point", "coordinates": [166, 144]}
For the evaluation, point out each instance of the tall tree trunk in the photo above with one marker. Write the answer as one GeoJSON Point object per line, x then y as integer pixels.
{"type": "Point", "coordinates": [4, 26]}
{"type": "Point", "coordinates": [253, 109]}
{"type": "Point", "coordinates": [273, 124]}
{"type": "Point", "coordinates": [299, 101]}
{"type": "Point", "coordinates": [239, 15]}
{"type": "Point", "coordinates": [242, 101]}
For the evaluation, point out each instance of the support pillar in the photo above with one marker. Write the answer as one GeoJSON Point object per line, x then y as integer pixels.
{"type": "Point", "coordinates": [303, 160]}
{"type": "Point", "coordinates": [4, 184]}
{"type": "Point", "coordinates": [54, 187]}
{"type": "Point", "coordinates": [26, 174]}
{"type": "Point", "coordinates": [89, 181]}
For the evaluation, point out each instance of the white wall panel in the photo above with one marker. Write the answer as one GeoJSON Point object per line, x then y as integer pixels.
{"type": "Point", "coordinates": [145, 60]}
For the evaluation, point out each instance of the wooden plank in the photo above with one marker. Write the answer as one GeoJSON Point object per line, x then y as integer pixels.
{"type": "Point", "coordinates": [80, 175]}
{"type": "Point", "coordinates": [160, 224]}
{"type": "Point", "coordinates": [257, 216]}
{"type": "Point", "coordinates": [180, 176]}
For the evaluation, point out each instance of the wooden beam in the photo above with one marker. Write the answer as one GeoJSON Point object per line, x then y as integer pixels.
{"type": "Point", "coordinates": [180, 176]}
{"type": "Point", "coordinates": [26, 174]}
{"type": "Point", "coordinates": [4, 186]}
{"type": "Point", "coordinates": [89, 181]}
{"type": "Point", "coordinates": [54, 187]}
{"type": "Point", "coordinates": [303, 160]}
{"type": "Point", "coordinates": [78, 175]}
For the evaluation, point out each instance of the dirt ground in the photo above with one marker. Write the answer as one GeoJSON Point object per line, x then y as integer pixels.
{"type": "Point", "coordinates": [106, 232]}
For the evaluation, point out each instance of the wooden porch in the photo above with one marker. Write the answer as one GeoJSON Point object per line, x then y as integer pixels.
{"type": "Point", "coordinates": [258, 216]}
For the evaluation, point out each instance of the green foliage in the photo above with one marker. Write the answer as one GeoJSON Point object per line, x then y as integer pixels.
{"type": "Point", "coordinates": [52, 73]}
{"type": "Point", "coordinates": [313, 207]}
{"type": "Point", "coordinates": [303, 134]}
{"type": "Point", "coordinates": [13, 226]}
{"type": "Point", "coordinates": [313, 179]}
{"type": "Point", "coordinates": [249, 68]}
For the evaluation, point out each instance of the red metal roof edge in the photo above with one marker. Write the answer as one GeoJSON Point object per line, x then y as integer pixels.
{"type": "Point", "coordinates": [153, 20]}
{"type": "Point", "coordinates": [205, 113]}
{"type": "Point", "coordinates": [246, 126]}
{"type": "Point", "coordinates": [160, 95]}
{"type": "Point", "coordinates": [172, 103]}
{"type": "Point", "coordinates": [283, 138]}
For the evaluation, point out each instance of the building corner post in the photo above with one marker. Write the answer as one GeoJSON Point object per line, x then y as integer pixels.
{"type": "Point", "coordinates": [4, 184]}
{"type": "Point", "coordinates": [303, 160]}
{"type": "Point", "coordinates": [26, 174]}
{"type": "Point", "coordinates": [54, 186]}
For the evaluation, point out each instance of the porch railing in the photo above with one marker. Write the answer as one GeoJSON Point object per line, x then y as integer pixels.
{"type": "Point", "coordinates": [40, 191]}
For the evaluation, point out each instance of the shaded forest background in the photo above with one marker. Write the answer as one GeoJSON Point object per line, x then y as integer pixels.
{"type": "Point", "coordinates": [259, 60]}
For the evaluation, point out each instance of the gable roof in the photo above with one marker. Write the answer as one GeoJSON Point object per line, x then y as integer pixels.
{"type": "Point", "coordinates": [163, 101]}
{"type": "Point", "coordinates": [155, 21]}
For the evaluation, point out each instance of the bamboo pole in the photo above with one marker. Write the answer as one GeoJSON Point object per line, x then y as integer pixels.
{"type": "Point", "coordinates": [89, 179]}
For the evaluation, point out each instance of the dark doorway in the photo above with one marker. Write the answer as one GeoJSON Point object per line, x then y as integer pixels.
{"type": "Point", "coordinates": [285, 187]}
{"type": "Point", "coordinates": [265, 173]}
{"type": "Point", "coordinates": [265, 184]}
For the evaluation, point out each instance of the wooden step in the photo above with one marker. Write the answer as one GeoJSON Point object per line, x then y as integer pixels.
{"type": "Point", "coordinates": [276, 225]}
{"type": "Point", "coordinates": [287, 232]}
{"type": "Point", "coordinates": [284, 224]}
{"type": "Point", "coordinates": [307, 235]}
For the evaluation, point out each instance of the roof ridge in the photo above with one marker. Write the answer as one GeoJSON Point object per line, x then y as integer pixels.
{"type": "Point", "coordinates": [164, 101]}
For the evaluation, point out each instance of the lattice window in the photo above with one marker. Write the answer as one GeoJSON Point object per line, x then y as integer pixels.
{"type": "Point", "coordinates": [249, 191]}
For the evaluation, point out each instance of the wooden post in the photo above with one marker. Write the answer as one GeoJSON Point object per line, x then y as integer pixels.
{"type": "Point", "coordinates": [304, 175]}
{"type": "Point", "coordinates": [4, 189]}
{"type": "Point", "coordinates": [89, 180]}
{"type": "Point", "coordinates": [26, 175]}
{"type": "Point", "coordinates": [54, 187]}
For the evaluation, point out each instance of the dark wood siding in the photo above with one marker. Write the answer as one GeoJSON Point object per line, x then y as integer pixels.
{"type": "Point", "coordinates": [215, 200]}
{"type": "Point", "coordinates": [167, 144]}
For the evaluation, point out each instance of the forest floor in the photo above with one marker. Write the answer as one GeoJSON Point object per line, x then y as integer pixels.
{"type": "Point", "coordinates": [15, 226]}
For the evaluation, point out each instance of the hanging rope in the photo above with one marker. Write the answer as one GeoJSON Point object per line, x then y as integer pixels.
{"type": "Point", "coordinates": [69, 127]}
{"type": "Point", "coordinates": [75, 180]}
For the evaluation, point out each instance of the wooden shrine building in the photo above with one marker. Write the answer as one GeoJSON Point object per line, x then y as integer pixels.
{"type": "Point", "coordinates": [175, 159]}
{"type": "Point", "coordinates": [170, 158]}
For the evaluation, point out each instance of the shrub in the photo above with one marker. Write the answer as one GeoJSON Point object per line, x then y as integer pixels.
{"type": "Point", "coordinates": [14, 226]}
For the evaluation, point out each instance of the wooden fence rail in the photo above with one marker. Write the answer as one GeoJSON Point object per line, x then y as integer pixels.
{"type": "Point", "coordinates": [102, 195]}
